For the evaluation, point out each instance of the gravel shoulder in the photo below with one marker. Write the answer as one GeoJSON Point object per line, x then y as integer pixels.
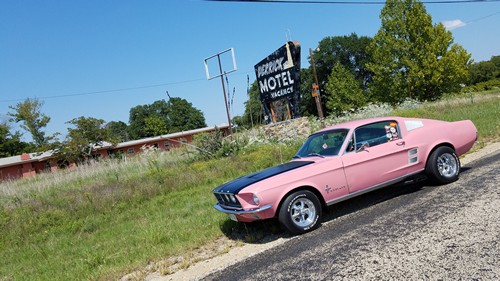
{"type": "Point", "coordinates": [226, 252]}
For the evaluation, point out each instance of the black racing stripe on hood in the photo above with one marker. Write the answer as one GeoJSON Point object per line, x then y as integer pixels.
{"type": "Point", "coordinates": [238, 184]}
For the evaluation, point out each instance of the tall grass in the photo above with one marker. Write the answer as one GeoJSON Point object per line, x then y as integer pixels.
{"type": "Point", "coordinates": [483, 110]}
{"type": "Point", "coordinates": [103, 220]}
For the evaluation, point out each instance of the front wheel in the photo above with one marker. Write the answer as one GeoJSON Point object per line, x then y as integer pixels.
{"type": "Point", "coordinates": [300, 212]}
{"type": "Point", "coordinates": [443, 166]}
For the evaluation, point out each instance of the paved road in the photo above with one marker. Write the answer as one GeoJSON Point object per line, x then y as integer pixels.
{"type": "Point", "coordinates": [405, 232]}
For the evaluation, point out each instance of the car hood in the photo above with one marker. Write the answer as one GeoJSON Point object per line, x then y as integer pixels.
{"type": "Point", "coordinates": [238, 184]}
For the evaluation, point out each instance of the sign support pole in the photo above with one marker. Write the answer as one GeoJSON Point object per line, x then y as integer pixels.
{"type": "Point", "coordinates": [225, 98]}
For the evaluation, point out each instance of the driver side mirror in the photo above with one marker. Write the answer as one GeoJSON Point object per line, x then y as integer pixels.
{"type": "Point", "coordinates": [363, 147]}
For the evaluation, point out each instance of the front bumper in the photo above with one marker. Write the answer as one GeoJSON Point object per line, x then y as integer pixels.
{"type": "Point", "coordinates": [218, 207]}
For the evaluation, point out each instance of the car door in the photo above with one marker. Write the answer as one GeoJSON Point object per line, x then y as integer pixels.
{"type": "Point", "coordinates": [376, 155]}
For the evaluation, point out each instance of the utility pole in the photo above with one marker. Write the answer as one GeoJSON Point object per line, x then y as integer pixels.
{"type": "Point", "coordinates": [315, 91]}
{"type": "Point", "coordinates": [250, 106]}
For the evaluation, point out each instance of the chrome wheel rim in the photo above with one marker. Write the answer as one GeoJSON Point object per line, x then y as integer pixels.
{"type": "Point", "coordinates": [303, 212]}
{"type": "Point", "coordinates": [447, 165]}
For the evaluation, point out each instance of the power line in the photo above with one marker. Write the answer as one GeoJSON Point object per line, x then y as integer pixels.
{"type": "Point", "coordinates": [352, 2]}
{"type": "Point", "coordinates": [110, 91]}
{"type": "Point", "coordinates": [117, 90]}
{"type": "Point", "coordinates": [482, 18]}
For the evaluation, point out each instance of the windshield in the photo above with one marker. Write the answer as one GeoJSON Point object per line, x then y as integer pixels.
{"type": "Point", "coordinates": [323, 144]}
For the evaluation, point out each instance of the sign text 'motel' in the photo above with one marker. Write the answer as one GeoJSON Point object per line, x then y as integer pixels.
{"type": "Point", "coordinates": [278, 85]}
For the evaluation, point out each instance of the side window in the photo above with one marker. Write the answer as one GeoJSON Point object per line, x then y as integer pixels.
{"type": "Point", "coordinates": [377, 133]}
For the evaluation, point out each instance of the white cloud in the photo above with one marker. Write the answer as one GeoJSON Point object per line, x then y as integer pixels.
{"type": "Point", "coordinates": [453, 24]}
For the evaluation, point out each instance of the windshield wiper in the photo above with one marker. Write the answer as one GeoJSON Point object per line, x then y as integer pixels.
{"type": "Point", "coordinates": [316, 154]}
{"type": "Point", "coordinates": [296, 157]}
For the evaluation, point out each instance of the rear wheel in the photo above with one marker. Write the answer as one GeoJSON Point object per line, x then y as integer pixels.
{"type": "Point", "coordinates": [443, 166]}
{"type": "Point", "coordinates": [300, 212]}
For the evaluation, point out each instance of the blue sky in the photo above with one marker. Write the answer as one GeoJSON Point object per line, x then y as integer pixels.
{"type": "Point", "coordinates": [101, 58]}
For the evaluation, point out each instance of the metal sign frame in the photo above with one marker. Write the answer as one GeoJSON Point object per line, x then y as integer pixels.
{"type": "Point", "coordinates": [218, 55]}
{"type": "Point", "coordinates": [221, 75]}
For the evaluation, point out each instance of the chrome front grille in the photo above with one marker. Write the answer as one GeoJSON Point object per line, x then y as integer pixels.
{"type": "Point", "coordinates": [227, 200]}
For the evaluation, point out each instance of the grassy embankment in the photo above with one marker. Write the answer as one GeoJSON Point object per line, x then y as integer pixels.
{"type": "Point", "coordinates": [104, 220]}
{"type": "Point", "coordinates": [483, 110]}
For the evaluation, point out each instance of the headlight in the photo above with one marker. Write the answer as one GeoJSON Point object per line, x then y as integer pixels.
{"type": "Point", "coordinates": [233, 199]}
{"type": "Point", "coordinates": [255, 199]}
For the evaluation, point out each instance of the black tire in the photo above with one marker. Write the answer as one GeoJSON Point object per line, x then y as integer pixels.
{"type": "Point", "coordinates": [300, 212]}
{"type": "Point", "coordinates": [443, 166]}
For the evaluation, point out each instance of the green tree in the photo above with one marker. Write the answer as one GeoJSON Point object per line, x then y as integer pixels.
{"type": "Point", "coordinates": [496, 61]}
{"type": "Point", "coordinates": [118, 131]}
{"type": "Point", "coordinates": [32, 120]}
{"type": "Point", "coordinates": [412, 58]}
{"type": "Point", "coordinates": [10, 143]}
{"type": "Point", "coordinates": [155, 126]}
{"type": "Point", "coordinates": [482, 71]}
{"type": "Point", "coordinates": [86, 134]}
{"type": "Point", "coordinates": [350, 51]}
{"type": "Point", "coordinates": [137, 123]}
{"type": "Point", "coordinates": [343, 91]}
{"type": "Point", "coordinates": [184, 116]}
{"type": "Point", "coordinates": [162, 117]}
{"type": "Point", "coordinates": [139, 114]}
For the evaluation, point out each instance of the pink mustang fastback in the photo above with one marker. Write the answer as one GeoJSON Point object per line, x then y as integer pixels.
{"type": "Point", "coordinates": [346, 160]}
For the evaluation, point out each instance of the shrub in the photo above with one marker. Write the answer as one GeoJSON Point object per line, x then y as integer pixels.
{"type": "Point", "coordinates": [215, 145]}
{"type": "Point", "coordinates": [483, 86]}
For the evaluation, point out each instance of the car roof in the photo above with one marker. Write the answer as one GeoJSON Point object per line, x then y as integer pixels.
{"type": "Point", "coordinates": [356, 123]}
